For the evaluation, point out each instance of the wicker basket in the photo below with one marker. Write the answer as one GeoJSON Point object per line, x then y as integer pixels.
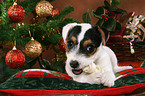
{"type": "Point", "coordinates": [122, 51]}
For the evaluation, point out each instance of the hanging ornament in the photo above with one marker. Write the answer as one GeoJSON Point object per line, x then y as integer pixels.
{"type": "Point", "coordinates": [43, 8]}
{"type": "Point", "coordinates": [16, 12]}
{"type": "Point", "coordinates": [15, 58]}
{"type": "Point", "coordinates": [54, 12]}
{"type": "Point", "coordinates": [61, 45]}
{"type": "Point", "coordinates": [33, 48]}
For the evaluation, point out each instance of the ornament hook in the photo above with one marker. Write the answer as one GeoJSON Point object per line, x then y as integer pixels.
{"type": "Point", "coordinates": [14, 44]}
{"type": "Point", "coordinates": [29, 33]}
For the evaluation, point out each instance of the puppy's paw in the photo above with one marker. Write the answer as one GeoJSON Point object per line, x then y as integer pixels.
{"type": "Point", "coordinates": [95, 77]}
{"type": "Point", "coordinates": [108, 79]}
{"type": "Point", "coordinates": [121, 68]}
{"type": "Point", "coordinates": [97, 80]}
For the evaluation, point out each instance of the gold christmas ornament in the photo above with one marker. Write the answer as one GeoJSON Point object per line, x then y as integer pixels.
{"type": "Point", "coordinates": [33, 48]}
{"type": "Point", "coordinates": [44, 8]}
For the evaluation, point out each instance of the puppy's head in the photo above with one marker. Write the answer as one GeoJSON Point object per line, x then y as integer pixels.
{"type": "Point", "coordinates": [82, 45]}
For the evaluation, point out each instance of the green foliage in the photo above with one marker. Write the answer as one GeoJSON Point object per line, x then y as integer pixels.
{"type": "Point", "coordinates": [45, 64]}
{"type": "Point", "coordinates": [139, 44]}
{"type": "Point", "coordinates": [6, 72]}
{"type": "Point", "coordinates": [100, 11]}
{"type": "Point", "coordinates": [114, 4]}
{"type": "Point", "coordinates": [95, 15]}
{"type": "Point", "coordinates": [107, 15]}
{"type": "Point", "coordinates": [58, 66]}
{"type": "Point", "coordinates": [64, 12]}
{"type": "Point", "coordinates": [107, 4]}
{"type": "Point", "coordinates": [29, 62]}
{"type": "Point", "coordinates": [110, 24]}
{"type": "Point", "coordinates": [86, 17]}
{"type": "Point", "coordinates": [100, 22]}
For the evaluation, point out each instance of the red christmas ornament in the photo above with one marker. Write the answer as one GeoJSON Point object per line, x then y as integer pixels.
{"type": "Point", "coordinates": [16, 12]}
{"type": "Point", "coordinates": [54, 12]}
{"type": "Point", "coordinates": [15, 58]}
{"type": "Point", "coordinates": [62, 45]}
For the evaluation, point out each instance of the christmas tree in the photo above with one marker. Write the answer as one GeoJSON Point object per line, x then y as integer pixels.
{"type": "Point", "coordinates": [31, 40]}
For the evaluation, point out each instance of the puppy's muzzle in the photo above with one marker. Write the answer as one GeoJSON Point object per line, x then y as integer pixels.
{"type": "Point", "coordinates": [75, 67]}
{"type": "Point", "coordinates": [74, 64]}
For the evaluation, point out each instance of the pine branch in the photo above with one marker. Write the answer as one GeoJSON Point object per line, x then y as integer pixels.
{"type": "Point", "coordinates": [4, 7]}
{"type": "Point", "coordinates": [45, 32]}
{"type": "Point", "coordinates": [67, 10]}
{"type": "Point", "coordinates": [28, 5]}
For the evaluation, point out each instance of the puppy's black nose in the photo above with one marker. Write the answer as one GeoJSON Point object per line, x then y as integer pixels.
{"type": "Point", "coordinates": [74, 64]}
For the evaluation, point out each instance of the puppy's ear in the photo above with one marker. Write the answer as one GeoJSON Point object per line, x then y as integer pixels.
{"type": "Point", "coordinates": [103, 35]}
{"type": "Point", "coordinates": [66, 29]}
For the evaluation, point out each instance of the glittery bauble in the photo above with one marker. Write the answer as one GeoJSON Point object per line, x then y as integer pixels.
{"type": "Point", "coordinates": [55, 12]}
{"type": "Point", "coordinates": [16, 13]}
{"type": "Point", "coordinates": [62, 45]}
{"type": "Point", "coordinates": [33, 49]}
{"type": "Point", "coordinates": [15, 59]}
{"type": "Point", "coordinates": [43, 8]}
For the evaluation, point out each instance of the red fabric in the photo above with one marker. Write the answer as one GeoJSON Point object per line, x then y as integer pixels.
{"type": "Point", "coordinates": [40, 73]}
{"type": "Point", "coordinates": [133, 71]}
{"type": "Point", "coordinates": [107, 91]}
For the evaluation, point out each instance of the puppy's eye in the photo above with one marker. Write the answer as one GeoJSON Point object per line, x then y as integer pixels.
{"type": "Point", "coordinates": [90, 48]}
{"type": "Point", "coordinates": [70, 44]}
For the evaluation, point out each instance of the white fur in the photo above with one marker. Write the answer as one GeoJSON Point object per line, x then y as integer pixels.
{"type": "Point", "coordinates": [104, 57]}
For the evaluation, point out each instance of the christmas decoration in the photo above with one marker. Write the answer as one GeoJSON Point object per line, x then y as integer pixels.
{"type": "Point", "coordinates": [43, 8]}
{"type": "Point", "coordinates": [134, 24]}
{"type": "Point", "coordinates": [33, 48]}
{"type": "Point", "coordinates": [61, 45]}
{"type": "Point", "coordinates": [105, 17]}
{"type": "Point", "coordinates": [15, 58]}
{"type": "Point", "coordinates": [109, 15]}
{"type": "Point", "coordinates": [136, 30]}
{"type": "Point", "coordinates": [48, 32]}
{"type": "Point", "coordinates": [16, 12]}
{"type": "Point", "coordinates": [54, 12]}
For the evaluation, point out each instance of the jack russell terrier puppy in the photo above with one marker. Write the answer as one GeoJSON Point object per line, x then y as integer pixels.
{"type": "Point", "coordinates": [88, 60]}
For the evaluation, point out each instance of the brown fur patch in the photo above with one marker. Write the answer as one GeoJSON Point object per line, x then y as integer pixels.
{"type": "Point", "coordinates": [86, 43]}
{"type": "Point", "coordinates": [103, 35]}
{"type": "Point", "coordinates": [73, 38]}
{"type": "Point", "coordinates": [95, 50]}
